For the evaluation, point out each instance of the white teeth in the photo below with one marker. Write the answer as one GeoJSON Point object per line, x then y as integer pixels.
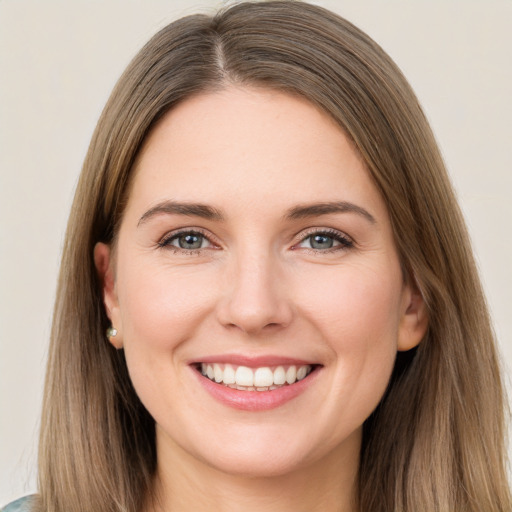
{"type": "Point", "coordinates": [244, 376]}
{"type": "Point", "coordinates": [291, 375]}
{"type": "Point", "coordinates": [229, 374]}
{"type": "Point", "coordinates": [279, 376]}
{"type": "Point", "coordinates": [218, 373]}
{"type": "Point", "coordinates": [263, 377]}
{"type": "Point", "coordinates": [254, 379]}
{"type": "Point", "coordinates": [301, 373]}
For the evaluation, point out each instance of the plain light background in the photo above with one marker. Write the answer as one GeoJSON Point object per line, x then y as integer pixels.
{"type": "Point", "coordinates": [58, 63]}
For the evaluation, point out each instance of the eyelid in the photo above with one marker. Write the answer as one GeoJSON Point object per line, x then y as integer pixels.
{"type": "Point", "coordinates": [170, 235]}
{"type": "Point", "coordinates": [346, 242]}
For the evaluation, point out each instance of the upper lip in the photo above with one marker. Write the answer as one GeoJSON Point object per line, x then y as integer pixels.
{"type": "Point", "coordinates": [253, 361]}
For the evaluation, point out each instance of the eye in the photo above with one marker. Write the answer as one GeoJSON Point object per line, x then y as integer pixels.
{"type": "Point", "coordinates": [186, 240]}
{"type": "Point", "coordinates": [325, 241]}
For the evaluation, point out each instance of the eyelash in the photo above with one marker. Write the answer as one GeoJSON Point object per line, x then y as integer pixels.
{"type": "Point", "coordinates": [344, 241]}
{"type": "Point", "coordinates": [337, 236]}
{"type": "Point", "coordinates": [165, 242]}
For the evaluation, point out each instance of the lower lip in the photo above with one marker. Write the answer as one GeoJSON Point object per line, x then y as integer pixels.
{"type": "Point", "coordinates": [256, 400]}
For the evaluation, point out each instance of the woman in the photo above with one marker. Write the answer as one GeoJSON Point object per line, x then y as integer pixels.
{"type": "Point", "coordinates": [264, 218]}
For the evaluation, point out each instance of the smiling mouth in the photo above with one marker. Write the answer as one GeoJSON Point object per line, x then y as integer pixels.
{"type": "Point", "coordinates": [265, 378]}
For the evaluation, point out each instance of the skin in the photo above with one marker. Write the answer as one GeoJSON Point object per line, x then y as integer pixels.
{"type": "Point", "coordinates": [257, 287]}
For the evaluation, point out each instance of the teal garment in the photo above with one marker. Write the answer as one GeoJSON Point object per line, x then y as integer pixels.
{"type": "Point", "coordinates": [21, 505]}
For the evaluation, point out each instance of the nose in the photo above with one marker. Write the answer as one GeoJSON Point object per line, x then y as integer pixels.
{"type": "Point", "coordinates": [255, 298]}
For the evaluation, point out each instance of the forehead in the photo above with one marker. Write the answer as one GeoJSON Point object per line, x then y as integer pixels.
{"type": "Point", "coordinates": [248, 144]}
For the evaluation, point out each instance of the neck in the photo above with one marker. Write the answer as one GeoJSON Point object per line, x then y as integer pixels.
{"type": "Point", "coordinates": [183, 483]}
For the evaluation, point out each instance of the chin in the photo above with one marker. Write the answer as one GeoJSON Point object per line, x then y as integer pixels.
{"type": "Point", "coordinates": [272, 453]}
{"type": "Point", "coordinates": [258, 465]}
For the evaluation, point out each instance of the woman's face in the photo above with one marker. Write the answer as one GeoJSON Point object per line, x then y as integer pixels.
{"type": "Point", "coordinates": [255, 248]}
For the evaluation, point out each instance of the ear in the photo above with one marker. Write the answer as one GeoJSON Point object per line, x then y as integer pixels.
{"type": "Point", "coordinates": [103, 260]}
{"type": "Point", "coordinates": [414, 320]}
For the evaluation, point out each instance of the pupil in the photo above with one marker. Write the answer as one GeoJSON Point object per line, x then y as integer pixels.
{"type": "Point", "coordinates": [190, 242]}
{"type": "Point", "coordinates": [321, 242]}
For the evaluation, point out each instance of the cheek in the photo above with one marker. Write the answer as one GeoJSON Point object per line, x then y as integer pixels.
{"type": "Point", "coordinates": [161, 310]}
{"type": "Point", "coordinates": [161, 306]}
{"type": "Point", "coordinates": [358, 317]}
{"type": "Point", "coordinates": [356, 301]}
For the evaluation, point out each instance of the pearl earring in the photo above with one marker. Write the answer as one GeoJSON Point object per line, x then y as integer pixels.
{"type": "Point", "coordinates": [111, 332]}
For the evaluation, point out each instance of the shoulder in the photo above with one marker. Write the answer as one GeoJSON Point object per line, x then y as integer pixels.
{"type": "Point", "coordinates": [21, 505]}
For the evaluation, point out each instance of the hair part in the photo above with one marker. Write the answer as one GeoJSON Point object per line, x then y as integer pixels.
{"type": "Point", "coordinates": [436, 441]}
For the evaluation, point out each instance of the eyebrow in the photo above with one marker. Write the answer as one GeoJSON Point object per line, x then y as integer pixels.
{"type": "Point", "coordinates": [188, 209]}
{"type": "Point", "coordinates": [297, 212]}
{"type": "Point", "coordinates": [316, 209]}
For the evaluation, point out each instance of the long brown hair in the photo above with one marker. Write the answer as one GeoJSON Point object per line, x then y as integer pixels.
{"type": "Point", "coordinates": [436, 441]}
